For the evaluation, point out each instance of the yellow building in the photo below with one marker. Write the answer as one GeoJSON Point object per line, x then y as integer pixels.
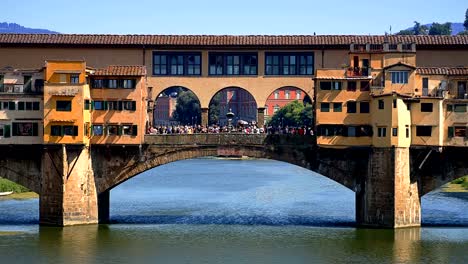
{"type": "Point", "coordinates": [382, 99]}
{"type": "Point", "coordinates": [65, 89]}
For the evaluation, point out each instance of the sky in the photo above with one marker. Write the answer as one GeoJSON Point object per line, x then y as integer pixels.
{"type": "Point", "coordinates": [235, 17]}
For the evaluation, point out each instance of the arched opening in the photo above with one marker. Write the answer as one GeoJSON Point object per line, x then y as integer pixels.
{"type": "Point", "coordinates": [289, 106]}
{"type": "Point", "coordinates": [446, 205]}
{"type": "Point", "coordinates": [18, 204]}
{"type": "Point", "coordinates": [176, 105]}
{"type": "Point", "coordinates": [226, 191]}
{"type": "Point", "coordinates": [237, 100]}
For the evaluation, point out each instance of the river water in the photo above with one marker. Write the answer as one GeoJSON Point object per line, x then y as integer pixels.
{"type": "Point", "coordinates": [235, 211]}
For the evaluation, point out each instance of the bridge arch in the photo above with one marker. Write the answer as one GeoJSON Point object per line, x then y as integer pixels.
{"type": "Point", "coordinates": [127, 164]}
{"type": "Point", "coordinates": [165, 104]}
{"type": "Point", "coordinates": [232, 98]}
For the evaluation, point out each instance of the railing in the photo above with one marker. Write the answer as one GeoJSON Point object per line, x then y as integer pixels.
{"type": "Point", "coordinates": [63, 90]}
{"type": "Point", "coordinates": [19, 89]}
{"type": "Point", "coordinates": [357, 71]}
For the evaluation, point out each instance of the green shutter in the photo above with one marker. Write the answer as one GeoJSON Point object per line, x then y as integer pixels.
{"type": "Point", "coordinates": [451, 132]}
{"type": "Point", "coordinates": [449, 108]}
{"type": "Point", "coordinates": [120, 130]}
{"type": "Point", "coordinates": [133, 105]}
{"type": "Point", "coordinates": [7, 131]}
{"type": "Point", "coordinates": [92, 105]}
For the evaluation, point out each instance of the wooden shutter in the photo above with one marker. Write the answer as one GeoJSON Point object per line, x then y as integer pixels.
{"type": "Point", "coordinates": [134, 130]}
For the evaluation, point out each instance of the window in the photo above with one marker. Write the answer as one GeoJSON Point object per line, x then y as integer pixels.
{"type": "Point", "coordinates": [394, 103]}
{"type": "Point", "coordinates": [35, 106]}
{"type": "Point", "coordinates": [5, 131]}
{"type": "Point", "coordinates": [87, 104]}
{"type": "Point", "coordinates": [11, 105]}
{"type": "Point", "coordinates": [111, 83]}
{"type": "Point", "coordinates": [395, 131]}
{"type": "Point", "coordinates": [20, 105]}
{"type": "Point", "coordinates": [337, 107]}
{"type": "Point", "coordinates": [113, 105]}
{"type": "Point", "coordinates": [129, 105]}
{"type": "Point", "coordinates": [56, 130]}
{"type": "Point", "coordinates": [330, 130]}
{"type": "Point", "coordinates": [25, 129]}
{"type": "Point", "coordinates": [399, 77]}
{"type": "Point", "coordinates": [425, 86]}
{"type": "Point", "coordinates": [325, 107]}
{"type": "Point", "coordinates": [381, 104]}
{"type": "Point", "coordinates": [298, 94]}
{"type": "Point", "coordinates": [365, 85]}
{"type": "Point", "coordinates": [176, 63]}
{"type": "Point", "coordinates": [70, 130]}
{"type": "Point", "coordinates": [129, 84]}
{"type": "Point", "coordinates": [351, 106]}
{"type": "Point", "coordinates": [351, 131]}
{"type": "Point", "coordinates": [286, 94]}
{"type": "Point", "coordinates": [75, 78]}
{"type": "Point", "coordinates": [352, 86]}
{"type": "Point", "coordinates": [127, 130]}
{"type": "Point", "coordinates": [97, 130]}
{"type": "Point", "coordinates": [97, 83]}
{"type": "Point", "coordinates": [276, 94]}
{"type": "Point", "coordinates": [286, 63]}
{"type": "Point", "coordinates": [426, 107]}
{"type": "Point", "coordinates": [29, 106]}
{"type": "Point", "coordinates": [63, 106]}
{"type": "Point", "coordinates": [407, 131]}
{"type": "Point", "coordinates": [458, 131]}
{"type": "Point", "coordinates": [459, 108]}
{"type": "Point", "coordinates": [330, 85]}
{"type": "Point", "coordinates": [27, 83]}
{"type": "Point", "coordinates": [357, 131]}
{"type": "Point", "coordinates": [423, 131]}
{"type": "Point", "coordinates": [382, 132]}
{"type": "Point", "coordinates": [232, 63]}
{"type": "Point", "coordinates": [112, 130]}
{"type": "Point", "coordinates": [276, 108]}
{"type": "Point", "coordinates": [364, 107]}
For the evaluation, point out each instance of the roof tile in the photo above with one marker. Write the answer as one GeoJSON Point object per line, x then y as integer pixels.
{"type": "Point", "coordinates": [121, 70]}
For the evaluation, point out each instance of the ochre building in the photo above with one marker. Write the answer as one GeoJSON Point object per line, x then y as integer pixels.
{"type": "Point", "coordinates": [367, 90]}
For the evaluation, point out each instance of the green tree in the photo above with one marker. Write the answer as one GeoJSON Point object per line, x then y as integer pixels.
{"type": "Point", "coordinates": [213, 112]}
{"type": "Point", "coordinates": [405, 32]}
{"type": "Point", "coordinates": [419, 29]}
{"type": "Point", "coordinates": [293, 114]}
{"type": "Point", "coordinates": [441, 29]}
{"type": "Point", "coordinates": [188, 109]}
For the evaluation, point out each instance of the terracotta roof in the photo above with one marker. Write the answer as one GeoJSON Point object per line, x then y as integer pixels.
{"type": "Point", "coordinates": [121, 70]}
{"type": "Point", "coordinates": [225, 40]}
{"type": "Point", "coordinates": [442, 70]}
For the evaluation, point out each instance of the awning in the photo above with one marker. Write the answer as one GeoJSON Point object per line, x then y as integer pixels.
{"type": "Point", "coordinates": [63, 120]}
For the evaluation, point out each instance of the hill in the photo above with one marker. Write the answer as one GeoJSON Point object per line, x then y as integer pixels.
{"type": "Point", "coordinates": [456, 27]}
{"type": "Point", "coordinates": [6, 27]}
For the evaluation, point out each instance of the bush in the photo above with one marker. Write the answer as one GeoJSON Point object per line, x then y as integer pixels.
{"type": "Point", "coordinates": [8, 186]}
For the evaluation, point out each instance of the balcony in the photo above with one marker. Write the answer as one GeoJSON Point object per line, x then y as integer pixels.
{"type": "Point", "coordinates": [20, 89]}
{"type": "Point", "coordinates": [63, 89]}
{"type": "Point", "coordinates": [358, 72]}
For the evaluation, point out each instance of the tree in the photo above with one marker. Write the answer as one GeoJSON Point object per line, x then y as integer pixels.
{"type": "Point", "coordinates": [213, 112]}
{"type": "Point", "coordinates": [441, 29]}
{"type": "Point", "coordinates": [188, 109]}
{"type": "Point", "coordinates": [465, 24]}
{"type": "Point", "coordinates": [419, 30]}
{"type": "Point", "coordinates": [405, 32]}
{"type": "Point", "coordinates": [293, 114]}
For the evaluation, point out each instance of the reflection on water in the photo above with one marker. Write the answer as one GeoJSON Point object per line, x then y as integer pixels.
{"type": "Point", "coordinates": [234, 211]}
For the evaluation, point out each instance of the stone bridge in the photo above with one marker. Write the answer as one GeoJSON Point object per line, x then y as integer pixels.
{"type": "Point", "coordinates": [74, 181]}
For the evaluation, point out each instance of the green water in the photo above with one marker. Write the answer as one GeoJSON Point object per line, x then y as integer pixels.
{"type": "Point", "coordinates": [232, 211]}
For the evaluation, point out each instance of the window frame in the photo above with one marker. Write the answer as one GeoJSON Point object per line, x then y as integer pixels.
{"type": "Point", "coordinates": [64, 108]}
{"type": "Point", "coordinates": [399, 77]}
{"type": "Point", "coordinates": [169, 65]}
{"type": "Point", "coordinates": [282, 61]}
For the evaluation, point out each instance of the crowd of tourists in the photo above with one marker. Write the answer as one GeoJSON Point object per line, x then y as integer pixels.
{"type": "Point", "coordinates": [215, 129]}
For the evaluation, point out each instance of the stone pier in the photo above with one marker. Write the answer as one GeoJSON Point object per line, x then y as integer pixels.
{"type": "Point", "coordinates": [388, 197]}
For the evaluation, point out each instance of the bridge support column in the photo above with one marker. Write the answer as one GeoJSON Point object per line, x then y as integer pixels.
{"type": "Point", "coordinates": [261, 116]}
{"type": "Point", "coordinates": [204, 116]}
{"type": "Point", "coordinates": [68, 194]}
{"type": "Point", "coordinates": [388, 197]}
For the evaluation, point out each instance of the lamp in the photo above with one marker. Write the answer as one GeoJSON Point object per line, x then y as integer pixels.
{"type": "Point", "coordinates": [230, 115]}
